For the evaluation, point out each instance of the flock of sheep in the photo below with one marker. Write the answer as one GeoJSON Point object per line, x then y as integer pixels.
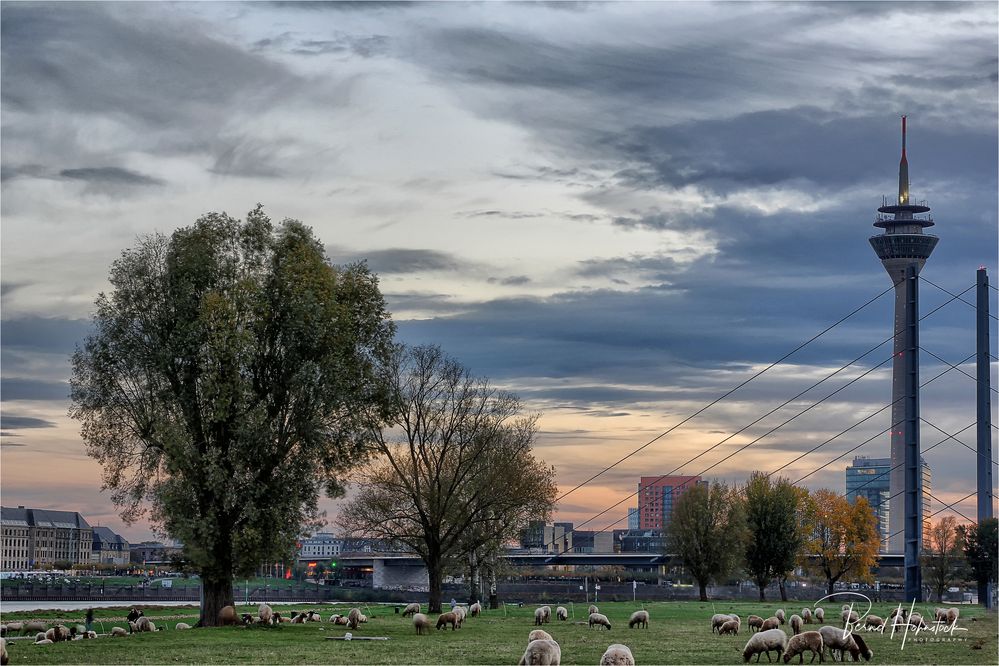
{"type": "Point", "coordinates": [769, 637]}
{"type": "Point", "coordinates": [543, 650]}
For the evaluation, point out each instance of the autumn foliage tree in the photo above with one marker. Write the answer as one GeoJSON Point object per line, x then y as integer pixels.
{"type": "Point", "coordinates": [942, 557]}
{"type": "Point", "coordinates": [707, 529]}
{"type": "Point", "coordinates": [226, 384]}
{"type": "Point", "coordinates": [843, 537]}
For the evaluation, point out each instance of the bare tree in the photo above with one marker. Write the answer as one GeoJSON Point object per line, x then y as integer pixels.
{"type": "Point", "coordinates": [455, 470]}
{"type": "Point", "coordinates": [943, 559]}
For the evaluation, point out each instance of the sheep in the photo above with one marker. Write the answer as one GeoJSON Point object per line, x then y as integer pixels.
{"type": "Point", "coordinates": [411, 609]}
{"type": "Point", "coordinates": [227, 616]}
{"type": "Point", "coordinates": [277, 619]}
{"type": "Point", "coordinates": [461, 613]}
{"type": "Point", "coordinates": [561, 614]}
{"type": "Point", "coordinates": [543, 652]}
{"type": "Point", "coordinates": [182, 625]}
{"type": "Point", "coordinates": [593, 609]}
{"type": "Point", "coordinates": [903, 613]}
{"type": "Point", "coordinates": [44, 641]}
{"type": "Point", "coordinates": [617, 655]}
{"type": "Point", "coordinates": [765, 641]}
{"type": "Point", "coordinates": [780, 615]}
{"type": "Point", "coordinates": [639, 618]}
{"type": "Point", "coordinates": [718, 619]}
{"type": "Point", "coordinates": [952, 615]}
{"type": "Point", "coordinates": [939, 614]}
{"type": "Point", "coordinates": [850, 616]}
{"type": "Point", "coordinates": [475, 609]}
{"type": "Point", "coordinates": [548, 613]}
{"type": "Point", "coordinates": [800, 643]}
{"type": "Point", "coordinates": [246, 619]}
{"type": "Point", "coordinates": [539, 635]}
{"type": "Point", "coordinates": [118, 631]}
{"type": "Point", "coordinates": [539, 617]}
{"type": "Point", "coordinates": [340, 620]}
{"type": "Point", "coordinates": [314, 616]}
{"type": "Point", "coordinates": [730, 627]}
{"type": "Point", "coordinates": [737, 619]}
{"type": "Point", "coordinates": [839, 639]}
{"type": "Point", "coordinates": [796, 623]}
{"type": "Point", "coordinates": [265, 613]}
{"type": "Point", "coordinates": [354, 618]}
{"type": "Point", "coordinates": [90, 634]}
{"type": "Point", "coordinates": [15, 627]}
{"type": "Point", "coordinates": [806, 615]}
{"type": "Point", "coordinates": [298, 618]}
{"type": "Point", "coordinates": [59, 633]}
{"type": "Point", "coordinates": [599, 620]}
{"type": "Point", "coordinates": [4, 657]}
{"type": "Point", "coordinates": [770, 623]}
{"type": "Point", "coordinates": [33, 626]}
{"type": "Point", "coordinates": [422, 623]}
{"type": "Point", "coordinates": [874, 621]}
{"type": "Point", "coordinates": [916, 620]}
{"type": "Point", "coordinates": [143, 624]}
{"type": "Point", "coordinates": [40, 636]}
{"type": "Point", "coordinates": [446, 619]}
{"type": "Point", "coordinates": [755, 622]}
{"type": "Point", "coordinates": [820, 615]}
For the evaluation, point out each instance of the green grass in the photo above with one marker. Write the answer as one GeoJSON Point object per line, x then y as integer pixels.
{"type": "Point", "coordinates": [679, 634]}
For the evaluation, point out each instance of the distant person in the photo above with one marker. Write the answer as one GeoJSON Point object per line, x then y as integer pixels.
{"type": "Point", "coordinates": [454, 602]}
{"type": "Point", "coordinates": [89, 622]}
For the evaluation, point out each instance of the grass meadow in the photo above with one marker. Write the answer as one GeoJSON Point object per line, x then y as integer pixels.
{"type": "Point", "coordinates": [679, 633]}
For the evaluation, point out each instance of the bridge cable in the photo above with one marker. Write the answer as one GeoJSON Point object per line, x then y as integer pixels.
{"type": "Point", "coordinates": [955, 367]}
{"type": "Point", "coordinates": [968, 303]}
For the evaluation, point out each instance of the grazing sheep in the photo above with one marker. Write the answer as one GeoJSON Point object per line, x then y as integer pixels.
{"type": "Point", "coordinates": [548, 613]}
{"type": "Point", "coordinates": [850, 616]}
{"type": "Point", "coordinates": [15, 627]}
{"type": "Point", "coordinates": [265, 613]}
{"type": "Point", "coordinates": [118, 631]}
{"type": "Point", "coordinates": [718, 619]}
{"type": "Point", "coordinates": [246, 619]}
{"type": "Point", "coordinates": [298, 618]}
{"type": "Point", "coordinates": [737, 619]}
{"type": "Point", "coordinates": [340, 620]}
{"type": "Point", "coordinates": [901, 612]}
{"type": "Point", "coordinates": [639, 618]}
{"type": "Point", "coordinates": [806, 615]}
{"type": "Point", "coordinates": [730, 627]}
{"type": "Point", "coordinates": [278, 619]}
{"type": "Point", "coordinates": [422, 623]}
{"type": "Point", "coordinates": [475, 609]}
{"type": "Point", "coordinates": [765, 641]}
{"type": "Point", "coordinates": [32, 626]}
{"type": "Point", "coordinates": [131, 627]}
{"type": "Point", "coordinates": [446, 619]}
{"type": "Point", "coordinates": [593, 609]}
{"type": "Point", "coordinates": [939, 614]}
{"type": "Point", "coordinates": [804, 642]}
{"type": "Point", "coordinates": [561, 614]}
{"type": "Point", "coordinates": [44, 641]}
{"type": "Point", "coordinates": [4, 657]}
{"type": "Point", "coordinates": [539, 635]}
{"type": "Point", "coordinates": [411, 609]}
{"type": "Point", "coordinates": [182, 625]}
{"type": "Point", "coordinates": [143, 624]}
{"type": "Point", "coordinates": [770, 623]}
{"type": "Point", "coordinates": [916, 620]}
{"type": "Point", "coordinates": [796, 623]}
{"type": "Point", "coordinates": [59, 633]}
{"type": "Point", "coordinates": [90, 634]}
{"type": "Point", "coordinates": [599, 620]}
{"type": "Point", "coordinates": [780, 615]}
{"type": "Point", "coordinates": [874, 621]}
{"type": "Point", "coordinates": [542, 653]}
{"type": "Point", "coordinates": [461, 613]}
{"type": "Point", "coordinates": [755, 622]}
{"type": "Point", "coordinates": [227, 616]}
{"type": "Point", "coordinates": [539, 617]}
{"type": "Point", "coordinates": [952, 615]}
{"type": "Point", "coordinates": [354, 618]}
{"type": "Point", "coordinates": [617, 655]}
{"type": "Point", "coordinates": [839, 639]}
{"type": "Point", "coordinates": [336, 616]}
{"type": "Point", "coordinates": [820, 615]}
{"type": "Point", "coordinates": [314, 616]}
{"type": "Point", "coordinates": [40, 636]}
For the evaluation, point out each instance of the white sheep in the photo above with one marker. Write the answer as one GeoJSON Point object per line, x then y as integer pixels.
{"type": "Point", "coordinates": [539, 635]}
{"type": "Point", "coordinates": [939, 614]}
{"type": "Point", "coordinates": [182, 625]}
{"type": "Point", "coordinates": [617, 655]}
{"type": "Point", "coordinates": [718, 619]}
{"type": "Point", "coordinates": [15, 627]}
{"type": "Point", "coordinates": [44, 641]}
{"type": "Point", "coordinates": [40, 636]}
{"type": "Point", "coordinates": [952, 615]}
{"type": "Point", "coordinates": [411, 609]}
{"type": "Point", "coordinates": [542, 653]}
{"type": "Point", "coordinates": [873, 621]}
{"type": "Point", "coordinates": [765, 641]}
{"type": "Point", "coordinates": [755, 622]}
{"type": "Point", "coordinates": [796, 623]}
{"type": "Point", "coordinates": [31, 626]}
{"type": "Point", "coordinates": [461, 613]}
{"type": "Point", "coordinates": [447, 618]}
{"type": "Point", "coordinates": [354, 618]}
{"type": "Point", "coordinates": [548, 613]}
{"type": "Point", "coordinates": [819, 614]}
{"type": "Point", "coordinates": [475, 609]}
{"type": "Point", "coordinates": [265, 613]}
{"type": "Point", "coordinates": [804, 642]}
{"type": "Point", "coordinates": [730, 627]}
{"type": "Point", "coordinates": [916, 620]}
{"type": "Point", "coordinates": [561, 613]}
{"type": "Point", "coordinates": [593, 609]}
{"type": "Point", "coordinates": [316, 617]}
{"type": "Point", "coordinates": [4, 657]}
{"type": "Point", "coordinates": [839, 639]}
{"type": "Point", "coordinates": [118, 631]}
{"type": "Point", "coordinates": [806, 615]}
{"type": "Point", "coordinates": [422, 623]}
{"type": "Point", "coordinates": [639, 618]}
{"type": "Point", "coordinates": [144, 624]}
{"type": "Point", "coordinates": [850, 616]}
{"type": "Point", "coordinates": [780, 615]}
{"type": "Point", "coordinates": [90, 634]}
{"type": "Point", "coordinates": [599, 620]}
{"type": "Point", "coordinates": [770, 623]}
{"type": "Point", "coordinates": [539, 617]}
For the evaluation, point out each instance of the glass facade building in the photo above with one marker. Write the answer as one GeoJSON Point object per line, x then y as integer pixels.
{"type": "Point", "coordinates": [870, 478]}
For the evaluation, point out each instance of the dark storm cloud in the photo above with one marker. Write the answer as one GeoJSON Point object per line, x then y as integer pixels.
{"type": "Point", "coordinates": [44, 334]}
{"type": "Point", "coordinates": [17, 388]}
{"type": "Point", "coordinates": [10, 287]}
{"type": "Point", "coordinates": [512, 281]}
{"type": "Point", "coordinates": [14, 422]}
{"type": "Point", "coordinates": [400, 260]}
{"type": "Point", "coordinates": [109, 175]}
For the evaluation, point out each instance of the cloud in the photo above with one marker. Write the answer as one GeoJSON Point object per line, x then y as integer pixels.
{"type": "Point", "coordinates": [512, 281]}
{"type": "Point", "coordinates": [109, 176]}
{"type": "Point", "coordinates": [14, 422]}
{"type": "Point", "coordinates": [48, 334]}
{"type": "Point", "coordinates": [400, 260]}
{"type": "Point", "coordinates": [17, 388]}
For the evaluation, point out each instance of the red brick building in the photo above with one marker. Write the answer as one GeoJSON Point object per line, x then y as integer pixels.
{"type": "Point", "coordinates": [656, 495]}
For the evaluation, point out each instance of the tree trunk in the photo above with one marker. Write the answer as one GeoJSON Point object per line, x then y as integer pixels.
{"type": "Point", "coordinates": [703, 586]}
{"type": "Point", "coordinates": [216, 595]}
{"type": "Point", "coordinates": [493, 597]}
{"type": "Point", "coordinates": [783, 589]}
{"type": "Point", "coordinates": [435, 575]}
{"type": "Point", "coordinates": [763, 590]}
{"type": "Point", "coordinates": [830, 583]}
{"type": "Point", "coordinates": [473, 578]}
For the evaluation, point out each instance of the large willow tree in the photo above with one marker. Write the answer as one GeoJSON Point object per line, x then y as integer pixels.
{"type": "Point", "coordinates": [227, 383]}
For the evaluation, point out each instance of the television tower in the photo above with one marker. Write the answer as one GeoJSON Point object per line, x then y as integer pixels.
{"type": "Point", "coordinates": [903, 249]}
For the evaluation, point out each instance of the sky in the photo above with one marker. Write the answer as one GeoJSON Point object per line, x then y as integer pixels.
{"type": "Point", "coordinates": [619, 211]}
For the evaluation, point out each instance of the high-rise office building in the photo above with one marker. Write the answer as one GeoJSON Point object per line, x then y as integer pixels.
{"type": "Point", "coordinates": [656, 496]}
{"type": "Point", "coordinates": [869, 478]}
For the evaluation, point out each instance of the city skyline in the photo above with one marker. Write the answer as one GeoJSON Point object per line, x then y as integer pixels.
{"type": "Point", "coordinates": [617, 211]}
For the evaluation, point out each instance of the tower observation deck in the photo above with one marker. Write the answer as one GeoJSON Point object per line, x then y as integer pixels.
{"type": "Point", "coordinates": [902, 245]}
